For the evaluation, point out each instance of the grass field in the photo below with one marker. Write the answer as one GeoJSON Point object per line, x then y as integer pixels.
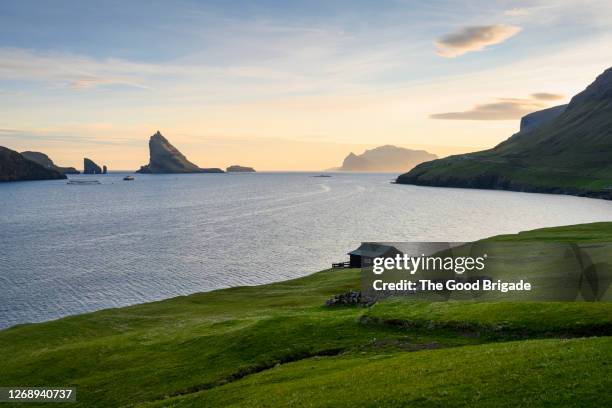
{"type": "Point", "coordinates": [277, 345]}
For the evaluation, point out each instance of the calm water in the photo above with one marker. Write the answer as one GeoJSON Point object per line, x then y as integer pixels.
{"type": "Point", "coordinates": [68, 249]}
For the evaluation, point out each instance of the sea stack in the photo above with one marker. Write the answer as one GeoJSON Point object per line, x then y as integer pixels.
{"type": "Point", "coordinates": [239, 169]}
{"type": "Point", "coordinates": [15, 167]}
{"type": "Point", "coordinates": [165, 158]}
{"type": "Point", "coordinates": [89, 167]}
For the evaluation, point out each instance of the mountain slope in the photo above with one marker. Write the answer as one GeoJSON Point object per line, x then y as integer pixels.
{"type": "Point", "coordinates": [570, 154]}
{"type": "Point", "coordinates": [385, 158]}
{"type": "Point", "coordinates": [165, 158]}
{"type": "Point", "coordinates": [15, 167]}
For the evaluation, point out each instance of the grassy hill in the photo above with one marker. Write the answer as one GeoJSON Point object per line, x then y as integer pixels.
{"type": "Point", "coordinates": [570, 154]}
{"type": "Point", "coordinates": [277, 345]}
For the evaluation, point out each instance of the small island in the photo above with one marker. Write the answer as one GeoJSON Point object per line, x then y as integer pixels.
{"type": "Point", "coordinates": [165, 158]}
{"type": "Point", "coordinates": [239, 169]}
{"type": "Point", "coordinates": [386, 158]}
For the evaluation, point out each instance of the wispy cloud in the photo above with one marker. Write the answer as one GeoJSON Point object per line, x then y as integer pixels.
{"type": "Point", "coordinates": [545, 96]}
{"type": "Point", "coordinates": [89, 83]}
{"type": "Point", "coordinates": [502, 109]}
{"type": "Point", "coordinates": [474, 38]}
{"type": "Point", "coordinates": [73, 71]}
{"type": "Point", "coordinates": [517, 12]}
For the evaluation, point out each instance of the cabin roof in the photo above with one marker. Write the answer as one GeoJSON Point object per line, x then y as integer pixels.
{"type": "Point", "coordinates": [372, 250]}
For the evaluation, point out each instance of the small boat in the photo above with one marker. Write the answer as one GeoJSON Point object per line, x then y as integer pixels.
{"type": "Point", "coordinates": [83, 182]}
{"type": "Point", "coordinates": [322, 175]}
{"type": "Point", "coordinates": [128, 178]}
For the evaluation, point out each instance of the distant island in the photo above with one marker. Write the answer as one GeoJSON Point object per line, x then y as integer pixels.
{"type": "Point", "coordinates": [386, 158]}
{"type": "Point", "coordinates": [563, 150]}
{"type": "Point", "coordinates": [47, 163]}
{"type": "Point", "coordinates": [239, 169]}
{"type": "Point", "coordinates": [165, 158]}
{"type": "Point", "coordinates": [16, 167]}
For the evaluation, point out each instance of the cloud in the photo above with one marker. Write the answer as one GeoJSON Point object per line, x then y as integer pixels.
{"type": "Point", "coordinates": [517, 12]}
{"type": "Point", "coordinates": [545, 96]}
{"type": "Point", "coordinates": [71, 70]}
{"type": "Point", "coordinates": [503, 109]}
{"type": "Point", "coordinates": [89, 83]}
{"type": "Point", "coordinates": [474, 38]}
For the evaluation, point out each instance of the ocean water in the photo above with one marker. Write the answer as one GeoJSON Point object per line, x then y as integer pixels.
{"type": "Point", "coordinates": [67, 249]}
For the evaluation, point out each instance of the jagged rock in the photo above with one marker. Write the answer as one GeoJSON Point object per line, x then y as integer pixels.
{"type": "Point", "coordinates": [239, 169]}
{"type": "Point", "coordinates": [385, 158]}
{"type": "Point", "coordinates": [15, 167]}
{"type": "Point", "coordinates": [89, 167]}
{"type": "Point", "coordinates": [47, 163]}
{"type": "Point", "coordinates": [104, 169]}
{"type": "Point", "coordinates": [165, 158]}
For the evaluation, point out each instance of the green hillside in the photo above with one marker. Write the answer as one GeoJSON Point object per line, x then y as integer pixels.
{"type": "Point", "coordinates": [277, 345]}
{"type": "Point", "coordinates": [571, 154]}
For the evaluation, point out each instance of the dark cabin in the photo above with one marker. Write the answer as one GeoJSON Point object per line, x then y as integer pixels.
{"type": "Point", "coordinates": [368, 251]}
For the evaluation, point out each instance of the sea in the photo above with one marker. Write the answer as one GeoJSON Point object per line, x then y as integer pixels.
{"type": "Point", "coordinates": [68, 249]}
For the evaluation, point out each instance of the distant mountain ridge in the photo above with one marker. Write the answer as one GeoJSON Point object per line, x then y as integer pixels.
{"type": "Point", "coordinates": [385, 158]}
{"type": "Point", "coordinates": [570, 153]}
{"type": "Point", "coordinates": [165, 158]}
{"type": "Point", "coordinates": [15, 167]}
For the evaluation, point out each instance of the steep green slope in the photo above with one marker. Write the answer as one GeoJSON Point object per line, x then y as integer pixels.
{"type": "Point", "coordinates": [266, 345]}
{"type": "Point", "coordinates": [571, 154]}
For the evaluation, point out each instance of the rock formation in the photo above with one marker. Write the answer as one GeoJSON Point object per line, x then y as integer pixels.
{"type": "Point", "coordinates": [239, 169]}
{"type": "Point", "coordinates": [15, 167]}
{"type": "Point", "coordinates": [47, 163]}
{"type": "Point", "coordinates": [165, 158]}
{"type": "Point", "coordinates": [104, 169]}
{"type": "Point", "coordinates": [385, 159]}
{"type": "Point", "coordinates": [89, 167]}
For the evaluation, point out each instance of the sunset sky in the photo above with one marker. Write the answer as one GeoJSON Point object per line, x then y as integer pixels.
{"type": "Point", "coordinates": [286, 85]}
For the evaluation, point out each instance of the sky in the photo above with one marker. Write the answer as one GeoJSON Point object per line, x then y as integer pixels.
{"type": "Point", "coordinates": [280, 85]}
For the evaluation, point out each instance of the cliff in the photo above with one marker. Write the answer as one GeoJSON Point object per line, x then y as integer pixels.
{"type": "Point", "coordinates": [539, 118]}
{"type": "Point", "coordinates": [568, 154]}
{"type": "Point", "coordinates": [47, 163]}
{"type": "Point", "coordinates": [15, 167]}
{"type": "Point", "coordinates": [165, 158]}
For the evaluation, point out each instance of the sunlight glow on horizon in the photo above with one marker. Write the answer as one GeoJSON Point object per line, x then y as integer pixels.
{"type": "Point", "coordinates": [278, 89]}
